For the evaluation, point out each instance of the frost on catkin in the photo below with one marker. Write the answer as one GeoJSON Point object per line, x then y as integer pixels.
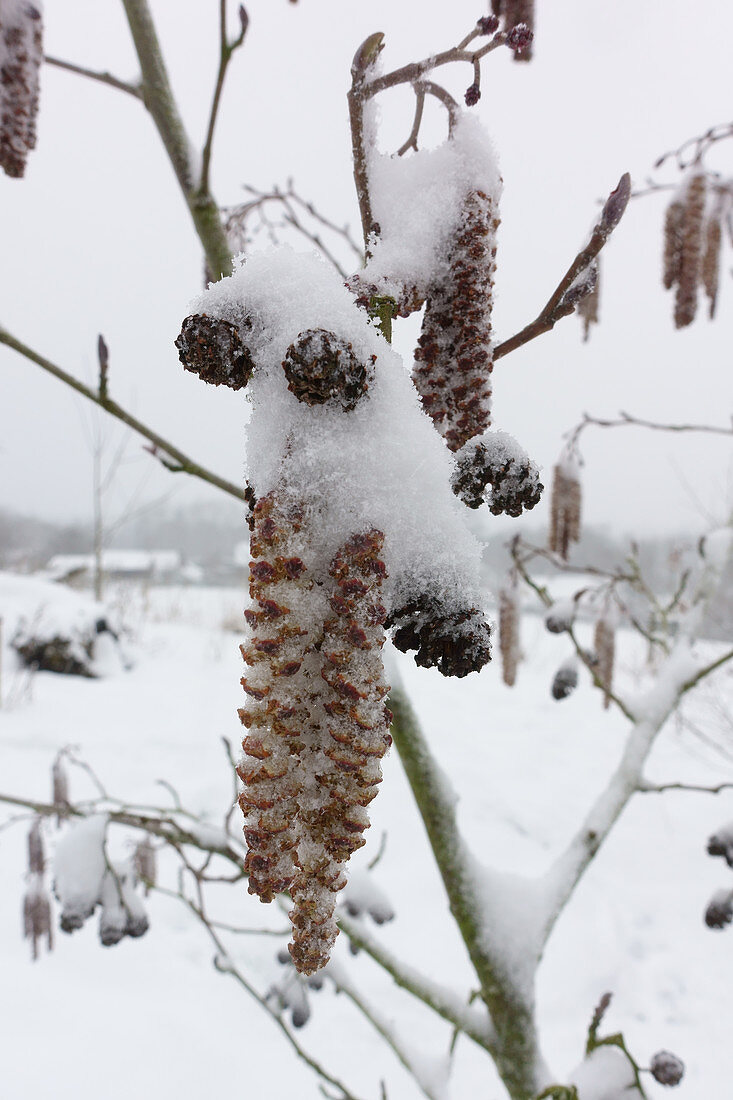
{"type": "Point", "coordinates": [691, 250]}
{"type": "Point", "coordinates": [342, 770]}
{"type": "Point", "coordinates": [454, 357]}
{"type": "Point", "coordinates": [565, 506]}
{"type": "Point", "coordinates": [604, 644]}
{"type": "Point", "coordinates": [509, 618]}
{"type": "Point", "coordinates": [21, 54]}
{"type": "Point", "coordinates": [276, 713]}
{"type": "Point", "coordinates": [495, 469]}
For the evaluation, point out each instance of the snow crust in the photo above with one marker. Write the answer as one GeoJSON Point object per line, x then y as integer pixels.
{"type": "Point", "coordinates": [416, 199]}
{"type": "Point", "coordinates": [79, 867]}
{"type": "Point", "coordinates": [381, 465]}
{"type": "Point", "coordinates": [606, 1074]}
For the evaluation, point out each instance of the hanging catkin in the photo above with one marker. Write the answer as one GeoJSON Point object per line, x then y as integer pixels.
{"type": "Point", "coordinates": [342, 768]}
{"type": "Point", "coordinates": [691, 250]}
{"type": "Point", "coordinates": [565, 506]}
{"type": "Point", "coordinates": [673, 222]}
{"type": "Point", "coordinates": [516, 12]}
{"type": "Point", "coordinates": [21, 54]}
{"type": "Point", "coordinates": [604, 644]}
{"type": "Point", "coordinates": [454, 357]}
{"type": "Point", "coordinates": [277, 711]}
{"type": "Point", "coordinates": [711, 257]}
{"type": "Point", "coordinates": [509, 618]}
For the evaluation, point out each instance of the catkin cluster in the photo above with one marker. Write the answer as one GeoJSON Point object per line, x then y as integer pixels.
{"type": "Point", "coordinates": [692, 244]}
{"type": "Point", "coordinates": [21, 54]}
{"type": "Point", "coordinates": [454, 357]}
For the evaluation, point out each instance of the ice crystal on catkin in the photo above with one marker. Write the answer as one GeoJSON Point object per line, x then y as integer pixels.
{"type": "Point", "coordinates": [454, 357]}
{"type": "Point", "coordinates": [509, 619]}
{"type": "Point", "coordinates": [21, 54]}
{"type": "Point", "coordinates": [565, 505]}
{"type": "Point", "coordinates": [604, 645]}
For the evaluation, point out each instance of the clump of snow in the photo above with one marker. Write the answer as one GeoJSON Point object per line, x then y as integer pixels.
{"type": "Point", "coordinates": [79, 867]}
{"type": "Point", "coordinates": [362, 895]}
{"type": "Point", "coordinates": [416, 201]}
{"type": "Point", "coordinates": [381, 465]}
{"type": "Point", "coordinates": [606, 1074]}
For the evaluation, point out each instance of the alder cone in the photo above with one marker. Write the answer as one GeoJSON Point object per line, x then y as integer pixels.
{"type": "Point", "coordinates": [212, 348]}
{"type": "Point", "coordinates": [277, 713]}
{"type": "Point", "coordinates": [21, 50]}
{"type": "Point", "coordinates": [514, 480]}
{"type": "Point", "coordinates": [321, 367]}
{"type": "Point", "coordinates": [454, 357]}
{"type": "Point", "coordinates": [354, 735]}
{"type": "Point", "coordinates": [454, 639]}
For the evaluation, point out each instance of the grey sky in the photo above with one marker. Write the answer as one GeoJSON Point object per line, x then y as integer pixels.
{"type": "Point", "coordinates": [97, 238]}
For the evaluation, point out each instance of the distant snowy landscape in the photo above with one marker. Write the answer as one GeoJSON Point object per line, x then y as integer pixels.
{"type": "Point", "coordinates": [152, 1017]}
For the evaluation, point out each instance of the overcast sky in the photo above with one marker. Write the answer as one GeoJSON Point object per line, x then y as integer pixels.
{"type": "Point", "coordinates": [97, 237]}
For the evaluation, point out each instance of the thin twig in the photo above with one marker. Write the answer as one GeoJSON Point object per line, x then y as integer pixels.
{"type": "Point", "coordinates": [411, 142]}
{"type": "Point", "coordinates": [645, 787]}
{"type": "Point", "coordinates": [101, 78]}
{"type": "Point", "coordinates": [226, 50]}
{"type": "Point", "coordinates": [177, 460]}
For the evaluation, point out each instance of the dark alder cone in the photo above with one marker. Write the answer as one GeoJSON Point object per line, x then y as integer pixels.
{"type": "Point", "coordinates": [321, 367]}
{"type": "Point", "coordinates": [604, 644]}
{"type": "Point", "coordinates": [454, 357]}
{"type": "Point", "coordinates": [513, 478]}
{"type": "Point", "coordinates": [565, 682]}
{"type": "Point", "coordinates": [21, 55]}
{"type": "Point", "coordinates": [667, 1068]}
{"type": "Point", "coordinates": [719, 912]}
{"type": "Point", "coordinates": [519, 22]}
{"type": "Point", "coordinates": [455, 640]}
{"type": "Point", "coordinates": [711, 261]}
{"type": "Point", "coordinates": [354, 737]}
{"type": "Point", "coordinates": [509, 617]}
{"type": "Point", "coordinates": [721, 844]}
{"type": "Point", "coordinates": [213, 349]}
{"type": "Point", "coordinates": [565, 506]}
{"type": "Point", "coordinates": [691, 251]}
{"type": "Point", "coordinates": [472, 95]}
{"type": "Point", "coordinates": [276, 713]}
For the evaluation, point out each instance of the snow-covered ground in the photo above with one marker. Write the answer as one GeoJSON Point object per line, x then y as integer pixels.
{"type": "Point", "coordinates": [151, 1017]}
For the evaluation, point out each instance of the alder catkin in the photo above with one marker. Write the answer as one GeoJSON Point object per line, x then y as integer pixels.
{"type": "Point", "coordinates": [673, 222]}
{"type": "Point", "coordinates": [454, 357]}
{"type": "Point", "coordinates": [21, 55]}
{"type": "Point", "coordinates": [604, 644]}
{"type": "Point", "coordinates": [565, 506]}
{"type": "Point", "coordinates": [588, 306]}
{"type": "Point", "coordinates": [277, 711]}
{"type": "Point", "coordinates": [711, 259]}
{"type": "Point", "coordinates": [342, 769]}
{"type": "Point", "coordinates": [509, 618]}
{"type": "Point", "coordinates": [516, 12]}
{"type": "Point", "coordinates": [691, 250]}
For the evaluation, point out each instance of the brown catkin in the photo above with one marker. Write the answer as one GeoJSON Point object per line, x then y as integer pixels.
{"type": "Point", "coordinates": [21, 55]}
{"type": "Point", "coordinates": [604, 644]}
{"type": "Point", "coordinates": [37, 914]}
{"type": "Point", "coordinates": [454, 357]}
{"type": "Point", "coordinates": [587, 308]}
{"type": "Point", "coordinates": [690, 268]}
{"type": "Point", "coordinates": [673, 222]}
{"type": "Point", "coordinates": [565, 508]}
{"type": "Point", "coordinates": [711, 259]}
{"type": "Point", "coordinates": [352, 736]}
{"type": "Point", "coordinates": [509, 618]}
{"type": "Point", "coordinates": [277, 712]}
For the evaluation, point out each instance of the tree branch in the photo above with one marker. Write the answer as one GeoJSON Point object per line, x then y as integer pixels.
{"type": "Point", "coordinates": [226, 50]}
{"type": "Point", "coordinates": [160, 102]}
{"type": "Point", "coordinates": [645, 787]}
{"type": "Point", "coordinates": [180, 461]}
{"type": "Point", "coordinates": [102, 78]}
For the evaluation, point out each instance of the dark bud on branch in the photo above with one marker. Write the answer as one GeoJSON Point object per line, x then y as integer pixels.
{"type": "Point", "coordinates": [366, 55]}
{"type": "Point", "coordinates": [322, 368]}
{"type": "Point", "coordinates": [519, 40]}
{"type": "Point", "coordinates": [473, 95]}
{"type": "Point", "coordinates": [213, 349]}
{"type": "Point", "coordinates": [488, 24]}
{"type": "Point", "coordinates": [616, 204]}
{"type": "Point", "coordinates": [667, 1068]}
{"type": "Point", "coordinates": [243, 19]}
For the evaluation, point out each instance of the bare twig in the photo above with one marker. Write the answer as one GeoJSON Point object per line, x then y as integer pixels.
{"type": "Point", "coordinates": [411, 142]}
{"type": "Point", "coordinates": [226, 50]}
{"type": "Point", "coordinates": [171, 457]}
{"type": "Point", "coordinates": [102, 78]}
{"type": "Point", "coordinates": [645, 787]}
{"type": "Point", "coordinates": [625, 420]}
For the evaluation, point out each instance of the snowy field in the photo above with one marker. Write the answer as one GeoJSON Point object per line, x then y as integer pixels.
{"type": "Point", "coordinates": [151, 1017]}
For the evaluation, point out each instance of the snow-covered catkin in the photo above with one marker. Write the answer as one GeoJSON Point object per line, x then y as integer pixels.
{"type": "Point", "coordinates": [711, 259]}
{"type": "Point", "coordinates": [322, 368]}
{"type": "Point", "coordinates": [21, 55]}
{"type": "Point", "coordinates": [495, 463]}
{"type": "Point", "coordinates": [565, 680]}
{"type": "Point", "coordinates": [509, 619]}
{"type": "Point", "coordinates": [604, 644]}
{"type": "Point", "coordinates": [452, 637]}
{"type": "Point", "coordinates": [213, 348]}
{"type": "Point", "coordinates": [691, 250]}
{"type": "Point", "coordinates": [277, 711]}
{"type": "Point", "coordinates": [343, 770]}
{"type": "Point", "coordinates": [565, 507]}
{"type": "Point", "coordinates": [454, 359]}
